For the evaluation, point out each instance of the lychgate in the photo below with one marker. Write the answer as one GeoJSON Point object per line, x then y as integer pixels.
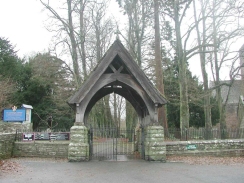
{"type": "Point", "coordinates": [118, 73]}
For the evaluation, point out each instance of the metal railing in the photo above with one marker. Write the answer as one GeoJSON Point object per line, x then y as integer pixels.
{"type": "Point", "coordinates": [170, 134]}
{"type": "Point", "coordinates": [174, 134]}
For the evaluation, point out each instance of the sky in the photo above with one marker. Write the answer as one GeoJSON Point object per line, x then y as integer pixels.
{"type": "Point", "coordinates": [23, 23]}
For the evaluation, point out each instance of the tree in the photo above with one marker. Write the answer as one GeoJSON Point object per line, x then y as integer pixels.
{"type": "Point", "coordinates": [138, 37]}
{"type": "Point", "coordinates": [202, 41]}
{"type": "Point", "coordinates": [9, 62]}
{"type": "Point", "coordinates": [6, 89]}
{"type": "Point", "coordinates": [10, 66]}
{"type": "Point", "coordinates": [215, 18]}
{"type": "Point", "coordinates": [176, 10]}
{"type": "Point", "coordinates": [86, 33]}
{"type": "Point", "coordinates": [139, 18]}
{"type": "Point", "coordinates": [72, 37]}
{"type": "Point", "coordinates": [102, 28]}
{"type": "Point", "coordinates": [158, 65]}
{"type": "Point", "coordinates": [54, 75]}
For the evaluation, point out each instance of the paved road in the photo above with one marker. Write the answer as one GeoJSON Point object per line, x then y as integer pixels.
{"type": "Point", "coordinates": [43, 171]}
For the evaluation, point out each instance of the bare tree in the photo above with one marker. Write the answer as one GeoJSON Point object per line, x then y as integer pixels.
{"type": "Point", "coordinates": [223, 14]}
{"type": "Point", "coordinates": [68, 36]}
{"type": "Point", "coordinates": [177, 11]}
{"type": "Point", "coordinates": [139, 14]}
{"type": "Point", "coordinates": [200, 22]}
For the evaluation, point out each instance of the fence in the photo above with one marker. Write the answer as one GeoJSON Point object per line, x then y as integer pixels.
{"type": "Point", "coordinates": [174, 134]}
{"type": "Point", "coordinates": [240, 111]}
{"type": "Point", "coordinates": [33, 136]}
{"type": "Point", "coordinates": [170, 134]}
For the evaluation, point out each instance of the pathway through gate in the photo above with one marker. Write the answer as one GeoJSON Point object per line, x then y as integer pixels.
{"type": "Point", "coordinates": [111, 144]}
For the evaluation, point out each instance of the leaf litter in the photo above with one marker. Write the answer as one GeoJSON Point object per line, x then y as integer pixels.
{"type": "Point", "coordinates": [207, 160]}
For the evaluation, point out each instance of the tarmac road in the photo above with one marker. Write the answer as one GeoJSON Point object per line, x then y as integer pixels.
{"type": "Point", "coordinates": [139, 171]}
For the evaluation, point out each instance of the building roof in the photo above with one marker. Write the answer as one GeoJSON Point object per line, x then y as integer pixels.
{"type": "Point", "coordinates": [235, 90]}
{"type": "Point", "coordinates": [119, 58]}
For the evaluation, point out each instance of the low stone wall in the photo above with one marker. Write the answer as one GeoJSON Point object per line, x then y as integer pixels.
{"type": "Point", "coordinates": [6, 145]}
{"type": "Point", "coordinates": [43, 149]}
{"type": "Point", "coordinates": [233, 147]}
{"type": "Point", "coordinates": [60, 149]}
{"type": "Point", "coordinates": [11, 127]}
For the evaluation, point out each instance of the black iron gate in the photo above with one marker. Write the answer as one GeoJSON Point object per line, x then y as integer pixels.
{"type": "Point", "coordinates": [112, 144]}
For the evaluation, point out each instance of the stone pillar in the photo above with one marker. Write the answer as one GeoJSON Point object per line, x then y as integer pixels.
{"type": "Point", "coordinates": [78, 146]}
{"type": "Point", "coordinates": [155, 147]}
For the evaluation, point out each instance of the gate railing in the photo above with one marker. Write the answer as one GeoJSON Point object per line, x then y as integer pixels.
{"type": "Point", "coordinates": [109, 143]}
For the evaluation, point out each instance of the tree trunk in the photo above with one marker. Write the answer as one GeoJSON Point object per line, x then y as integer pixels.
{"type": "Point", "coordinates": [184, 107]}
{"type": "Point", "coordinates": [82, 38]}
{"type": "Point", "coordinates": [131, 119]}
{"type": "Point", "coordinates": [73, 46]}
{"type": "Point", "coordinates": [217, 79]}
{"type": "Point", "coordinates": [162, 118]}
{"type": "Point", "coordinates": [202, 53]}
{"type": "Point", "coordinates": [116, 116]}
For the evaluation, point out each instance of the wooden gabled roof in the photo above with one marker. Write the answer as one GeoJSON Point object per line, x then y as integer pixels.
{"type": "Point", "coordinates": [117, 54]}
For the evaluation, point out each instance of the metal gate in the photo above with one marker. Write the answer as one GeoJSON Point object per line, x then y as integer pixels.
{"type": "Point", "coordinates": [112, 144]}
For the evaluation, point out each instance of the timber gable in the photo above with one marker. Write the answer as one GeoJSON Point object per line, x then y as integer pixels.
{"type": "Point", "coordinates": [118, 73]}
{"type": "Point", "coordinates": [117, 60]}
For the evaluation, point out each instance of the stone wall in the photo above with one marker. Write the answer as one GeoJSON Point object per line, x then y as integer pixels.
{"type": "Point", "coordinates": [11, 127]}
{"type": "Point", "coordinates": [43, 149]}
{"type": "Point", "coordinates": [154, 149]}
{"type": "Point", "coordinates": [211, 147]}
{"type": "Point", "coordinates": [6, 145]}
{"type": "Point", "coordinates": [59, 149]}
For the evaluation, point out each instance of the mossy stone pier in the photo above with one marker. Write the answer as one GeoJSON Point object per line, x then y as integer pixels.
{"type": "Point", "coordinates": [155, 148]}
{"type": "Point", "coordinates": [78, 147]}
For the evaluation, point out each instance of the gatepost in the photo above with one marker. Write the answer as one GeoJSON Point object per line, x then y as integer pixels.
{"type": "Point", "coordinates": [155, 147]}
{"type": "Point", "coordinates": [78, 146]}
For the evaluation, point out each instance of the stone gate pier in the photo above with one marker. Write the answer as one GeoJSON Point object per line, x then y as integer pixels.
{"type": "Point", "coordinates": [79, 147]}
{"type": "Point", "coordinates": [155, 147]}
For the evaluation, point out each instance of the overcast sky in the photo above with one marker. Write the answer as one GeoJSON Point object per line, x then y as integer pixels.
{"type": "Point", "coordinates": [23, 23]}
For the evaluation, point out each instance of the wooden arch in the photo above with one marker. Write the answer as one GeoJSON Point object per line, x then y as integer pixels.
{"type": "Point", "coordinates": [118, 73]}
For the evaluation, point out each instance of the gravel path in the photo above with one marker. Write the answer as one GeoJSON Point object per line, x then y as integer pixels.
{"type": "Point", "coordinates": [176, 169]}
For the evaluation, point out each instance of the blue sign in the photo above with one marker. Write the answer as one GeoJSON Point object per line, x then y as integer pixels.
{"type": "Point", "coordinates": [12, 116]}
